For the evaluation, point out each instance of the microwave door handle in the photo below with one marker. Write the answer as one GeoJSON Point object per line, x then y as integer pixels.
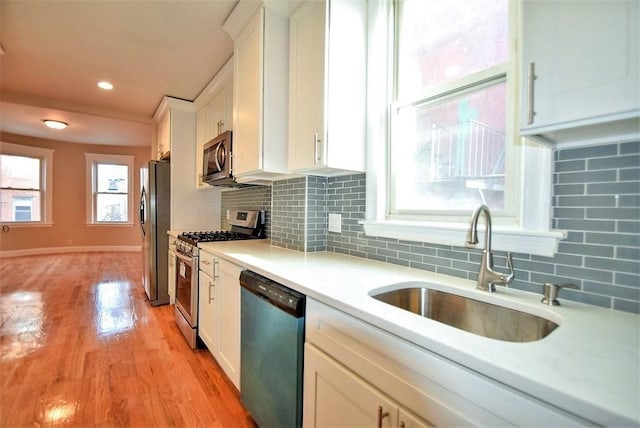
{"type": "Point", "coordinates": [215, 156]}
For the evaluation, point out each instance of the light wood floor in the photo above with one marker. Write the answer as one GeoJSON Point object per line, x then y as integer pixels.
{"type": "Point", "coordinates": [81, 346]}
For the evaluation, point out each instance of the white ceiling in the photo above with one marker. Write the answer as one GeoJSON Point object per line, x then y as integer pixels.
{"type": "Point", "coordinates": [56, 51]}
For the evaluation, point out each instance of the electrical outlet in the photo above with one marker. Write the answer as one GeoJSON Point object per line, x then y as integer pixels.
{"type": "Point", "coordinates": [69, 242]}
{"type": "Point", "coordinates": [335, 222]}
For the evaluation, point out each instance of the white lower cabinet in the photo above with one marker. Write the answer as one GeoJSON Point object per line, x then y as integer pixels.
{"type": "Point", "coordinates": [171, 274]}
{"type": "Point", "coordinates": [353, 368]}
{"type": "Point", "coordinates": [227, 352]}
{"type": "Point", "coordinates": [334, 396]}
{"type": "Point", "coordinates": [219, 312]}
{"type": "Point", "coordinates": [207, 309]}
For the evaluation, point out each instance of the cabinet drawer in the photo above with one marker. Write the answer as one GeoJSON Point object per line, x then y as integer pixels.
{"type": "Point", "coordinates": [208, 264]}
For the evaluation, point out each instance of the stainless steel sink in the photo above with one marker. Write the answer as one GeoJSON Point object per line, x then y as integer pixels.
{"type": "Point", "coordinates": [474, 316]}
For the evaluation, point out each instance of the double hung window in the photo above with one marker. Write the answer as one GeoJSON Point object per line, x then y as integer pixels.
{"type": "Point", "coordinates": [109, 185]}
{"type": "Point", "coordinates": [450, 137]}
{"type": "Point", "coordinates": [446, 139]}
{"type": "Point", "coordinates": [25, 184]}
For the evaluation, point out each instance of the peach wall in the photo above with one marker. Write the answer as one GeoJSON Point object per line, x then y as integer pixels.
{"type": "Point", "coordinates": [69, 182]}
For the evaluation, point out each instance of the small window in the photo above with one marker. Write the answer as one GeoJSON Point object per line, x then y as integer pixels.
{"type": "Point", "coordinates": [109, 184]}
{"type": "Point", "coordinates": [449, 139]}
{"type": "Point", "coordinates": [25, 184]}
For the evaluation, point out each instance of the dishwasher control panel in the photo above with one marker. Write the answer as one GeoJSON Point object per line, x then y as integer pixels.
{"type": "Point", "coordinates": [278, 295]}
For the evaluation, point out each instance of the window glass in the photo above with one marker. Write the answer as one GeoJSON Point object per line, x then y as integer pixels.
{"type": "Point", "coordinates": [450, 154]}
{"type": "Point", "coordinates": [443, 40]}
{"type": "Point", "coordinates": [112, 199]}
{"type": "Point", "coordinates": [448, 144]}
{"type": "Point", "coordinates": [111, 207]}
{"type": "Point", "coordinates": [20, 188]}
{"type": "Point", "coordinates": [112, 178]}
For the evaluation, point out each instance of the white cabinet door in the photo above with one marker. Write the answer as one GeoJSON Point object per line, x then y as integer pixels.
{"type": "Point", "coordinates": [306, 85]}
{"type": "Point", "coordinates": [228, 322]}
{"type": "Point", "coordinates": [247, 95]}
{"type": "Point", "coordinates": [207, 322]}
{"type": "Point", "coordinates": [327, 85]}
{"type": "Point", "coordinates": [335, 397]}
{"type": "Point", "coordinates": [260, 96]}
{"type": "Point", "coordinates": [222, 107]}
{"type": "Point", "coordinates": [171, 275]}
{"type": "Point", "coordinates": [163, 135]}
{"type": "Point", "coordinates": [584, 57]}
{"type": "Point", "coordinates": [205, 120]}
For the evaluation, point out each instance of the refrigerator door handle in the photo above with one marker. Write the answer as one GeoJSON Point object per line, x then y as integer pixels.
{"type": "Point", "coordinates": [142, 213]}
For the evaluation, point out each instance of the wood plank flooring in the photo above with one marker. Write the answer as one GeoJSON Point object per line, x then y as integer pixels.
{"type": "Point", "coordinates": [81, 346]}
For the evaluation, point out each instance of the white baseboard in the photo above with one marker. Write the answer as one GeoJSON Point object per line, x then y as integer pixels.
{"type": "Point", "coordinates": [58, 250]}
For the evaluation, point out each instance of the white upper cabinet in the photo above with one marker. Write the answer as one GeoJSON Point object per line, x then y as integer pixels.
{"type": "Point", "coordinates": [214, 113]}
{"type": "Point", "coordinates": [260, 91]}
{"type": "Point", "coordinates": [163, 136]}
{"type": "Point", "coordinates": [580, 76]}
{"type": "Point", "coordinates": [189, 209]}
{"type": "Point", "coordinates": [327, 84]}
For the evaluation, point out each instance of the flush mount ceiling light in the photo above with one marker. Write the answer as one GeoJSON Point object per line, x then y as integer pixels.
{"type": "Point", "coordinates": [55, 124]}
{"type": "Point", "coordinates": [105, 85]}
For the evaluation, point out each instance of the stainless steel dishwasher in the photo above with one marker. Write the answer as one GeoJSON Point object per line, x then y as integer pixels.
{"type": "Point", "coordinates": [271, 351]}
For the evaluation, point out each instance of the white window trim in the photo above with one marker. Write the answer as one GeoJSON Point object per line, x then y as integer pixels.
{"type": "Point", "coordinates": [90, 160]}
{"type": "Point", "coordinates": [46, 155]}
{"type": "Point", "coordinates": [527, 232]}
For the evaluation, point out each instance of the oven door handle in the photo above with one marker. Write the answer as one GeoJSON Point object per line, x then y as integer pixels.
{"type": "Point", "coordinates": [186, 259]}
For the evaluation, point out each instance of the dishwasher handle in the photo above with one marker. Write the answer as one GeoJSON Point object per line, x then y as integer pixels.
{"type": "Point", "coordinates": [284, 298]}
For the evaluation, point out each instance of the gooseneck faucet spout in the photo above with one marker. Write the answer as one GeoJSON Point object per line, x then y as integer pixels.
{"type": "Point", "coordinates": [487, 277]}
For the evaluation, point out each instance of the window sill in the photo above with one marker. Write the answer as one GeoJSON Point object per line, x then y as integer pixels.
{"type": "Point", "coordinates": [109, 224]}
{"type": "Point", "coordinates": [27, 224]}
{"type": "Point", "coordinates": [538, 242]}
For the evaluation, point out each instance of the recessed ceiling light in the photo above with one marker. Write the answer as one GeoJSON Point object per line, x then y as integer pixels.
{"type": "Point", "coordinates": [55, 124]}
{"type": "Point", "coordinates": [105, 85]}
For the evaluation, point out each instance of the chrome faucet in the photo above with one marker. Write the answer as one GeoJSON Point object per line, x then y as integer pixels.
{"type": "Point", "coordinates": [487, 277]}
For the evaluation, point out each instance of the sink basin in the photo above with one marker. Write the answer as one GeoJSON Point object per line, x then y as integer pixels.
{"type": "Point", "coordinates": [474, 316]}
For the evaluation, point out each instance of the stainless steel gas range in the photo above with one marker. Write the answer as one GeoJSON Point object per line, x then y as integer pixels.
{"type": "Point", "coordinates": [245, 224]}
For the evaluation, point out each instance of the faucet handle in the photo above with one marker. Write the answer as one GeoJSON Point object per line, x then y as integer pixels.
{"type": "Point", "coordinates": [550, 292]}
{"type": "Point", "coordinates": [511, 275]}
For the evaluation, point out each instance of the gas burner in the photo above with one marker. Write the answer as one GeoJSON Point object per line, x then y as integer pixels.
{"type": "Point", "coordinates": [244, 225]}
{"type": "Point", "coordinates": [213, 236]}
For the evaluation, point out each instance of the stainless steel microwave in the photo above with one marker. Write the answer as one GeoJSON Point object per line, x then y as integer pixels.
{"type": "Point", "coordinates": [216, 161]}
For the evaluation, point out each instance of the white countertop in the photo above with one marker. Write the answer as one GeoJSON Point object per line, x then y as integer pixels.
{"type": "Point", "coordinates": [589, 365]}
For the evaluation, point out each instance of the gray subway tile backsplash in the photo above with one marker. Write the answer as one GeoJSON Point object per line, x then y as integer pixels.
{"type": "Point", "coordinates": [625, 187]}
{"type": "Point", "coordinates": [588, 152]}
{"type": "Point", "coordinates": [596, 199]}
{"type": "Point", "coordinates": [613, 162]}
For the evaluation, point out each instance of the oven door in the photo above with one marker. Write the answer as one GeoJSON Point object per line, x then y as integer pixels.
{"type": "Point", "coordinates": [187, 288]}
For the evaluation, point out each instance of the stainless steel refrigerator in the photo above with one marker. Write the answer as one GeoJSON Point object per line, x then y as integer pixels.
{"type": "Point", "coordinates": [155, 215]}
